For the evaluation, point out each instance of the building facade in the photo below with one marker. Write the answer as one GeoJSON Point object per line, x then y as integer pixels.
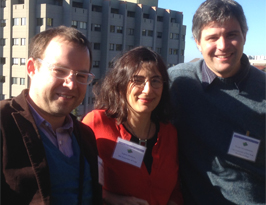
{"type": "Point", "coordinates": [112, 26]}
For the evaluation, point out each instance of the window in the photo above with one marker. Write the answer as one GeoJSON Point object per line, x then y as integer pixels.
{"type": "Point", "coordinates": [150, 33]}
{"type": "Point", "coordinates": [16, 21]}
{"type": "Point", "coordinates": [15, 41]}
{"type": "Point", "coordinates": [171, 35]}
{"type": "Point", "coordinates": [173, 51]}
{"type": "Point", "coordinates": [160, 18]}
{"type": "Point", "coordinates": [2, 60]}
{"type": "Point", "coordinates": [2, 42]}
{"type": "Point", "coordinates": [15, 61]}
{"type": "Point", "coordinates": [23, 21]}
{"type": "Point", "coordinates": [23, 61]}
{"type": "Point", "coordinates": [97, 46]}
{"type": "Point", "coordinates": [159, 34]}
{"type": "Point", "coordinates": [170, 51]}
{"type": "Point", "coordinates": [173, 20]}
{"type": "Point", "coordinates": [49, 22]}
{"type": "Point", "coordinates": [97, 27]}
{"type": "Point", "coordinates": [174, 36]}
{"type": "Point", "coordinates": [74, 24]}
{"type": "Point", "coordinates": [3, 4]}
{"type": "Point", "coordinates": [96, 8]}
{"type": "Point", "coordinates": [14, 80]}
{"type": "Point", "coordinates": [96, 64]}
{"type": "Point", "coordinates": [119, 29]}
{"type": "Point", "coordinates": [112, 29]}
{"type": "Point", "coordinates": [144, 32]}
{"type": "Point", "coordinates": [112, 47]}
{"type": "Point", "coordinates": [130, 14]}
{"type": "Point", "coordinates": [23, 41]}
{"type": "Point", "coordinates": [3, 23]}
{"type": "Point", "coordinates": [2, 79]}
{"type": "Point", "coordinates": [183, 37]}
{"type": "Point", "coordinates": [77, 4]}
{"type": "Point", "coordinates": [22, 81]}
{"type": "Point", "coordinates": [39, 21]}
{"type": "Point", "coordinates": [159, 50]}
{"type": "Point", "coordinates": [114, 11]}
{"type": "Point", "coordinates": [83, 25]}
{"type": "Point", "coordinates": [146, 16]}
{"type": "Point", "coordinates": [182, 52]}
{"type": "Point", "coordinates": [130, 31]}
{"type": "Point", "coordinates": [58, 2]}
{"type": "Point", "coordinates": [119, 47]}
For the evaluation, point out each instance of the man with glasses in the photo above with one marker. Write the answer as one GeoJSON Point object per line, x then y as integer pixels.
{"type": "Point", "coordinates": [47, 155]}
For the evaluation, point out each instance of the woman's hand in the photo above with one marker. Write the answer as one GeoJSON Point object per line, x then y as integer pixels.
{"type": "Point", "coordinates": [115, 199]}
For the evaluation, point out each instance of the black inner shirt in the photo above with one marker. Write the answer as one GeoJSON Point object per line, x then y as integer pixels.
{"type": "Point", "coordinates": [148, 159]}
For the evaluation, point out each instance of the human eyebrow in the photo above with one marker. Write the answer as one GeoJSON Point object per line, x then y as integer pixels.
{"type": "Point", "coordinates": [234, 32]}
{"type": "Point", "coordinates": [58, 65]}
{"type": "Point", "coordinates": [138, 76]}
{"type": "Point", "coordinates": [156, 77]}
{"type": "Point", "coordinates": [211, 36]}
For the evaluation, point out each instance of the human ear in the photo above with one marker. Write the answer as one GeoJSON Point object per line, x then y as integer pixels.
{"type": "Point", "coordinates": [31, 67]}
{"type": "Point", "coordinates": [198, 44]}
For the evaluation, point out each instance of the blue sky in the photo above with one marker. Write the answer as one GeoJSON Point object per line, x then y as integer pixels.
{"type": "Point", "coordinates": [255, 11]}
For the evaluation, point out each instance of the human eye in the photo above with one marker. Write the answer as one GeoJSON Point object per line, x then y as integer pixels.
{"type": "Point", "coordinates": [82, 76]}
{"type": "Point", "coordinates": [156, 80]}
{"type": "Point", "coordinates": [60, 72]}
{"type": "Point", "coordinates": [211, 38]}
{"type": "Point", "coordinates": [138, 80]}
{"type": "Point", "coordinates": [232, 35]}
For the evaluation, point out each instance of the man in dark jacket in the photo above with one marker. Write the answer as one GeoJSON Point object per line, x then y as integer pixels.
{"type": "Point", "coordinates": [47, 156]}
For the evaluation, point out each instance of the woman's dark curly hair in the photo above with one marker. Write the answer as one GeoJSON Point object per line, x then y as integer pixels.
{"type": "Point", "coordinates": [111, 91]}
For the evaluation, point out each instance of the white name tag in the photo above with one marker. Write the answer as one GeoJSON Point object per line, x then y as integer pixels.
{"type": "Point", "coordinates": [129, 152]}
{"type": "Point", "coordinates": [100, 171]}
{"type": "Point", "coordinates": [244, 147]}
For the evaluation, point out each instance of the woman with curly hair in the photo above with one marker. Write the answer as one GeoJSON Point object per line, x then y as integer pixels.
{"type": "Point", "coordinates": [132, 103]}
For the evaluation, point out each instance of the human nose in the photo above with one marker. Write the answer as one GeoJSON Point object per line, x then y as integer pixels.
{"type": "Point", "coordinates": [146, 86]}
{"type": "Point", "coordinates": [70, 81]}
{"type": "Point", "coordinates": [222, 43]}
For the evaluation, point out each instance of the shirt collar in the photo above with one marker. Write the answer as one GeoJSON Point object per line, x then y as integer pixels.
{"type": "Point", "coordinates": [39, 120]}
{"type": "Point", "coordinates": [208, 76]}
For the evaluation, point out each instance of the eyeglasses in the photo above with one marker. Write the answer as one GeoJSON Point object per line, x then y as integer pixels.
{"type": "Point", "coordinates": [63, 73]}
{"type": "Point", "coordinates": [140, 81]}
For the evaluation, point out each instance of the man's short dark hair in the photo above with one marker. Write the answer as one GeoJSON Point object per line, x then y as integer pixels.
{"type": "Point", "coordinates": [41, 40]}
{"type": "Point", "coordinates": [217, 11]}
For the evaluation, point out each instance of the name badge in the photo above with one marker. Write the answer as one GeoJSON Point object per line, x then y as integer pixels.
{"type": "Point", "coordinates": [244, 147]}
{"type": "Point", "coordinates": [129, 152]}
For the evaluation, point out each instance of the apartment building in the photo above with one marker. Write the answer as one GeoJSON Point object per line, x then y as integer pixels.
{"type": "Point", "coordinates": [112, 27]}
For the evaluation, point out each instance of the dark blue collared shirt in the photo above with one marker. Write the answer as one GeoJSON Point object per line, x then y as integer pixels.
{"type": "Point", "coordinates": [208, 76]}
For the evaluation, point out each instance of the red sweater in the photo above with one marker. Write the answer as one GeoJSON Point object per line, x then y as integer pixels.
{"type": "Point", "coordinates": [121, 178]}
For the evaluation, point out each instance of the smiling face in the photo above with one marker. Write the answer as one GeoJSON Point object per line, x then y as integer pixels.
{"type": "Point", "coordinates": [143, 100]}
{"type": "Point", "coordinates": [222, 47]}
{"type": "Point", "coordinates": [55, 97]}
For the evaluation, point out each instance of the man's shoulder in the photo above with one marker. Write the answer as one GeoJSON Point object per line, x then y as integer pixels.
{"type": "Point", "coordinates": [257, 74]}
{"type": "Point", "coordinates": [185, 69]}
